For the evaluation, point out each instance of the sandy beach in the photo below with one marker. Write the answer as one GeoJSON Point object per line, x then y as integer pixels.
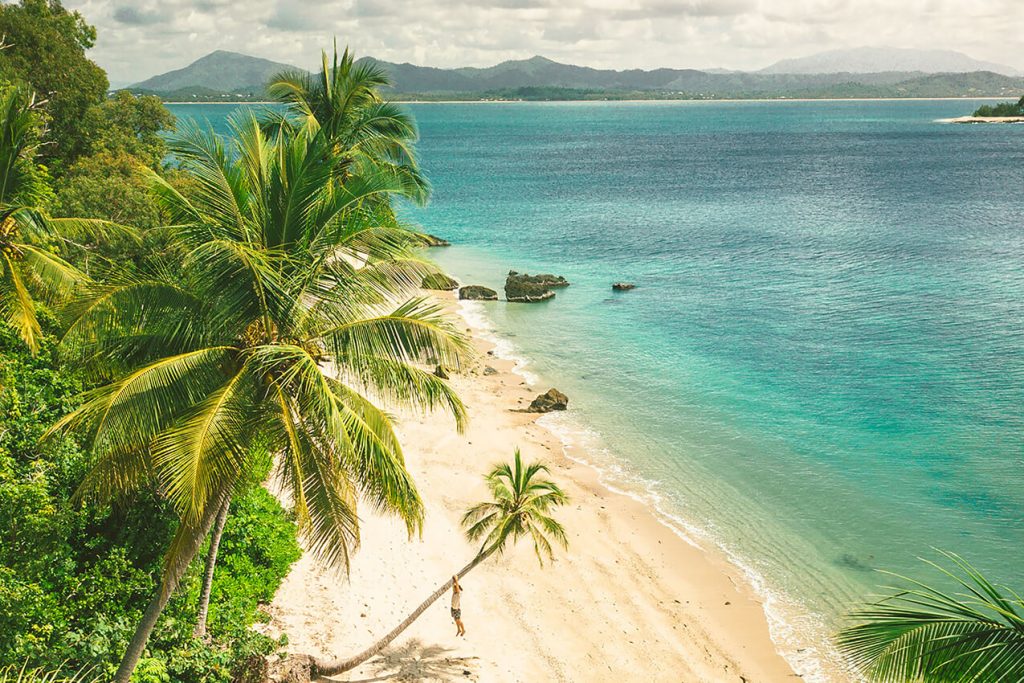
{"type": "Point", "coordinates": [629, 601]}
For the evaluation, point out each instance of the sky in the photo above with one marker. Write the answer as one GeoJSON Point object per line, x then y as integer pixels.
{"type": "Point", "coordinates": [140, 38]}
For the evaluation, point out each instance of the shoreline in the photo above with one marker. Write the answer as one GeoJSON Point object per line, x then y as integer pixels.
{"type": "Point", "coordinates": [644, 598]}
{"type": "Point", "coordinates": [673, 100]}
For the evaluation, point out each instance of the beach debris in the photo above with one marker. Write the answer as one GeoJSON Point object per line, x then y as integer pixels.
{"type": "Point", "coordinates": [552, 399]}
{"type": "Point", "coordinates": [439, 281]}
{"type": "Point", "coordinates": [439, 371]}
{"type": "Point", "coordinates": [525, 288]}
{"type": "Point", "coordinates": [490, 371]}
{"type": "Point", "coordinates": [477, 293]}
{"type": "Point", "coordinates": [623, 286]}
{"type": "Point", "coordinates": [434, 241]}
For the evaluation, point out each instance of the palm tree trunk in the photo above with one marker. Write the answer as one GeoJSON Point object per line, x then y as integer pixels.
{"type": "Point", "coordinates": [340, 665]}
{"type": "Point", "coordinates": [211, 564]}
{"type": "Point", "coordinates": [175, 569]}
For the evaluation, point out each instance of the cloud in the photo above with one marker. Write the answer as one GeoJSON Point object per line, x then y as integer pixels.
{"type": "Point", "coordinates": [139, 38]}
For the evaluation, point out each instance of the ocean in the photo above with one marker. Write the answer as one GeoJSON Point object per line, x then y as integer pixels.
{"type": "Point", "coordinates": [821, 369]}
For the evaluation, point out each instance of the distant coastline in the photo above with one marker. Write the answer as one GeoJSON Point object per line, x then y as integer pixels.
{"type": "Point", "coordinates": [984, 119]}
{"type": "Point", "coordinates": [651, 100]}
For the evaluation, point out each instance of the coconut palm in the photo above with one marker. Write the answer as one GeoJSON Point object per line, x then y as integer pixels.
{"type": "Point", "coordinates": [926, 634]}
{"type": "Point", "coordinates": [281, 316]}
{"type": "Point", "coordinates": [29, 268]}
{"type": "Point", "coordinates": [521, 504]}
{"type": "Point", "coordinates": [343, 102]}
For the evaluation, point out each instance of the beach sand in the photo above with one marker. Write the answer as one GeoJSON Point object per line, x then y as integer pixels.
{"type": "Point", "coordinates": [629, 601]}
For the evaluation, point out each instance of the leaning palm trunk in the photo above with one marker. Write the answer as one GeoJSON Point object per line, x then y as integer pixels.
{"type": "Point", "coordinates": [211, 564]}
{"type": "Point", "coordinates": [320, 668]}
{"type": "Point", "coordinates": [176, 567]}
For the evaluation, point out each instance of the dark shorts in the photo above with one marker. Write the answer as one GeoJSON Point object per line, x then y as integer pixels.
{"type": "Point", "coordinates": [456, 613]}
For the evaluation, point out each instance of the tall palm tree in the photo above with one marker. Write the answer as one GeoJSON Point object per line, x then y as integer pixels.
{"type": "Point", "coordinates": [343, 101]}
{"type": "Point", "coordinates": [926, 634]}
{"type": "Point", "coordinates": [280, 321]}
{"type": "Point", "coordinates": [30, 269]}
{"type": "Point", "coordinates": [521, 505]}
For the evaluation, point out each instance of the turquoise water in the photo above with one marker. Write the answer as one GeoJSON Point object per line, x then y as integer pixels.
{"type": "Point", "coordinates": [822, 367]}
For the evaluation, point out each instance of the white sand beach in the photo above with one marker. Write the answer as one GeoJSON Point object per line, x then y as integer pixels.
{"type": "Point", "coordinates": [629, 601]}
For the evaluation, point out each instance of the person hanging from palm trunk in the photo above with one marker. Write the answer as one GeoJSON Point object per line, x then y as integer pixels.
{"type": "Point", "coordinates": [457, 606]}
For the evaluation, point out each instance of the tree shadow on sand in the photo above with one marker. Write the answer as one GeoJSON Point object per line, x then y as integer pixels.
{"type": "Point", "coordinates": [415, 661]}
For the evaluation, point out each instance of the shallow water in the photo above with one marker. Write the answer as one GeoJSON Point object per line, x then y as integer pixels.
{"type": "Point", "coordinates": [822, 366]}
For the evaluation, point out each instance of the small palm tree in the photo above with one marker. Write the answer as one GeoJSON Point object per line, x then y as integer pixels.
{"type": "Point", "coordinates": [283, 308]}
{"type": "Point", "coordinates": [925, 634]}
{"type": "Point", "coordinates": [29, 268]}
{"type": "Point", "coordinates": [343, 101]}
{"type": "Point", "coordinates": [521, 506]}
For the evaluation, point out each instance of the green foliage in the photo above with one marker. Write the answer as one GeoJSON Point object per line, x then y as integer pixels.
{"type": "Point", "coordinates": [74, 580]}
{"type": "Point", "coordinates": [1002, 109]}
{"type": "Point", "coordinates": [107, 185]}
{"type": "Point", "coordinates": [922, 633]}
{"type": "Point", "coordinates": [23, 674]}
{"type": "Point", "coordinates": [45, 48]}
{"type": "Point", "coordinates": [128, 125]}
{"type": "Point", "coordinates": [522, 500]}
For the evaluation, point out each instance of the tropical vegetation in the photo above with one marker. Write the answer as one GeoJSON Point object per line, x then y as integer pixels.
{"type": "Point", "coordinates": [522, 501]}
{"type": "Point", "coordinates": [971, 632]}
{"type": "Point", "coordinates": [192, 331]}
{"type": "Point", "coordinates": [1003, 109]}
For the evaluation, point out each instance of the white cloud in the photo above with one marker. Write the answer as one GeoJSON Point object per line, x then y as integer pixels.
{"type": "Point", "coordinates": [139, 38]}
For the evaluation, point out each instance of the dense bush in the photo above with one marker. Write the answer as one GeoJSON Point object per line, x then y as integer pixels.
{"type": "Point", "coordinates": [1002, 109]}
{"type": "Point", "coordinates": [74, 580]}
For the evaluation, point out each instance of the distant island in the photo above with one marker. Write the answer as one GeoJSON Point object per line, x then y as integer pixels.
{"type": "Point", "coordinates": [223, 76]}
{"type": "Point", "coordinates": [1004, 112]}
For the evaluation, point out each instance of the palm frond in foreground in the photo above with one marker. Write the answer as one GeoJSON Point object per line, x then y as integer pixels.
{"type": "Point", "coordinates": [922, 633]}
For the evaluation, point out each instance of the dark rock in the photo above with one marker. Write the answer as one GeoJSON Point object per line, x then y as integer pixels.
{"type": "Point", "coordinates": [441, 372]}
{"type": "Point", "coordinates": [490, 371]}
{"type": "Point", "coordinates": [439, 281]}
{"type": "Point", "coordinates": [477, 293]}
{"type": "Point", "coordinates": [435, 241]}
{"type": "Point", "coordinates": [523, 288]}
{"type": "Point", "coordinates": [553, 399]}
{"type": "Point", "coordinates": [623, 286]}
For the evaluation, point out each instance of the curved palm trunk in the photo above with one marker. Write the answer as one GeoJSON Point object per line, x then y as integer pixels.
{"type": "Point", "coordinates": [169, 583]}
{"type": "Point", "coordinates": [320, 668]}
{"type": "Point", "coordinates": [211, 564]}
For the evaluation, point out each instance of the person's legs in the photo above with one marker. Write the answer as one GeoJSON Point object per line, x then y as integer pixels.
{"type": "Point", "coordinates": [462, 629]}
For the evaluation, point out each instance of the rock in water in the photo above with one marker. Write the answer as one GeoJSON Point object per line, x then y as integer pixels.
{"type": "Point", "coordinates": [441, 372]}
{"type": "Point", "coordinates": [623, 286]}
{"type": "Point", "coordinates": [477, 293]}
{"type": "Point", "coordinates": [439, 281]}
{"type": "Point", "coordinates": [553, 399]}
{"type": "Point", "coordinates": [435, 241]}
{"type": "Point", "coordinates": [523, 288]}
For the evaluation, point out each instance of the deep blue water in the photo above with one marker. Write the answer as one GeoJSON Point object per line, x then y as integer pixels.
{"type": "Point", "coordinates": [823, 363]}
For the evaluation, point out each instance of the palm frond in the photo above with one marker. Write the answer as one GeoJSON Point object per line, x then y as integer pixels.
{"type": "Point", "coordinates": [923, 633]}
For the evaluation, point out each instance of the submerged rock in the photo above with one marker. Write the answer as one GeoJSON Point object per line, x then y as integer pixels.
{"type": "Point", "coordinates": [435, 241]}
{"type": "Point", "coordinates": [552, 399]}
{"type": "Point", "coordinates": [623, 286]}
{"type": "Point", "coordinates": [477, 293]}
{"type": "Point", "coordinates": [524, 288]}
{"type": "Point", "coordinates": [439, 281]}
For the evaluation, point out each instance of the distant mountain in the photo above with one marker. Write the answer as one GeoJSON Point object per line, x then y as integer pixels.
{"type": "Point", "coordinates": [231, 76]}
{"type": "Point", "coordinates": [220, 71]}
{"type": "Point", "coordinates": [877, 59]}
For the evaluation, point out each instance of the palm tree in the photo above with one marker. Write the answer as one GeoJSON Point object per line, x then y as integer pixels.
{"type": "Point", "coordinates": [343, 101]}
{"type": "Point", "coordinates": [29, 269]}
{"type": "Point", "coordinates": [282, 312]}
{"type": "Point", "coordinates": [925, 634]}
{"type": "Point", "coordinates": [521, 505]}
